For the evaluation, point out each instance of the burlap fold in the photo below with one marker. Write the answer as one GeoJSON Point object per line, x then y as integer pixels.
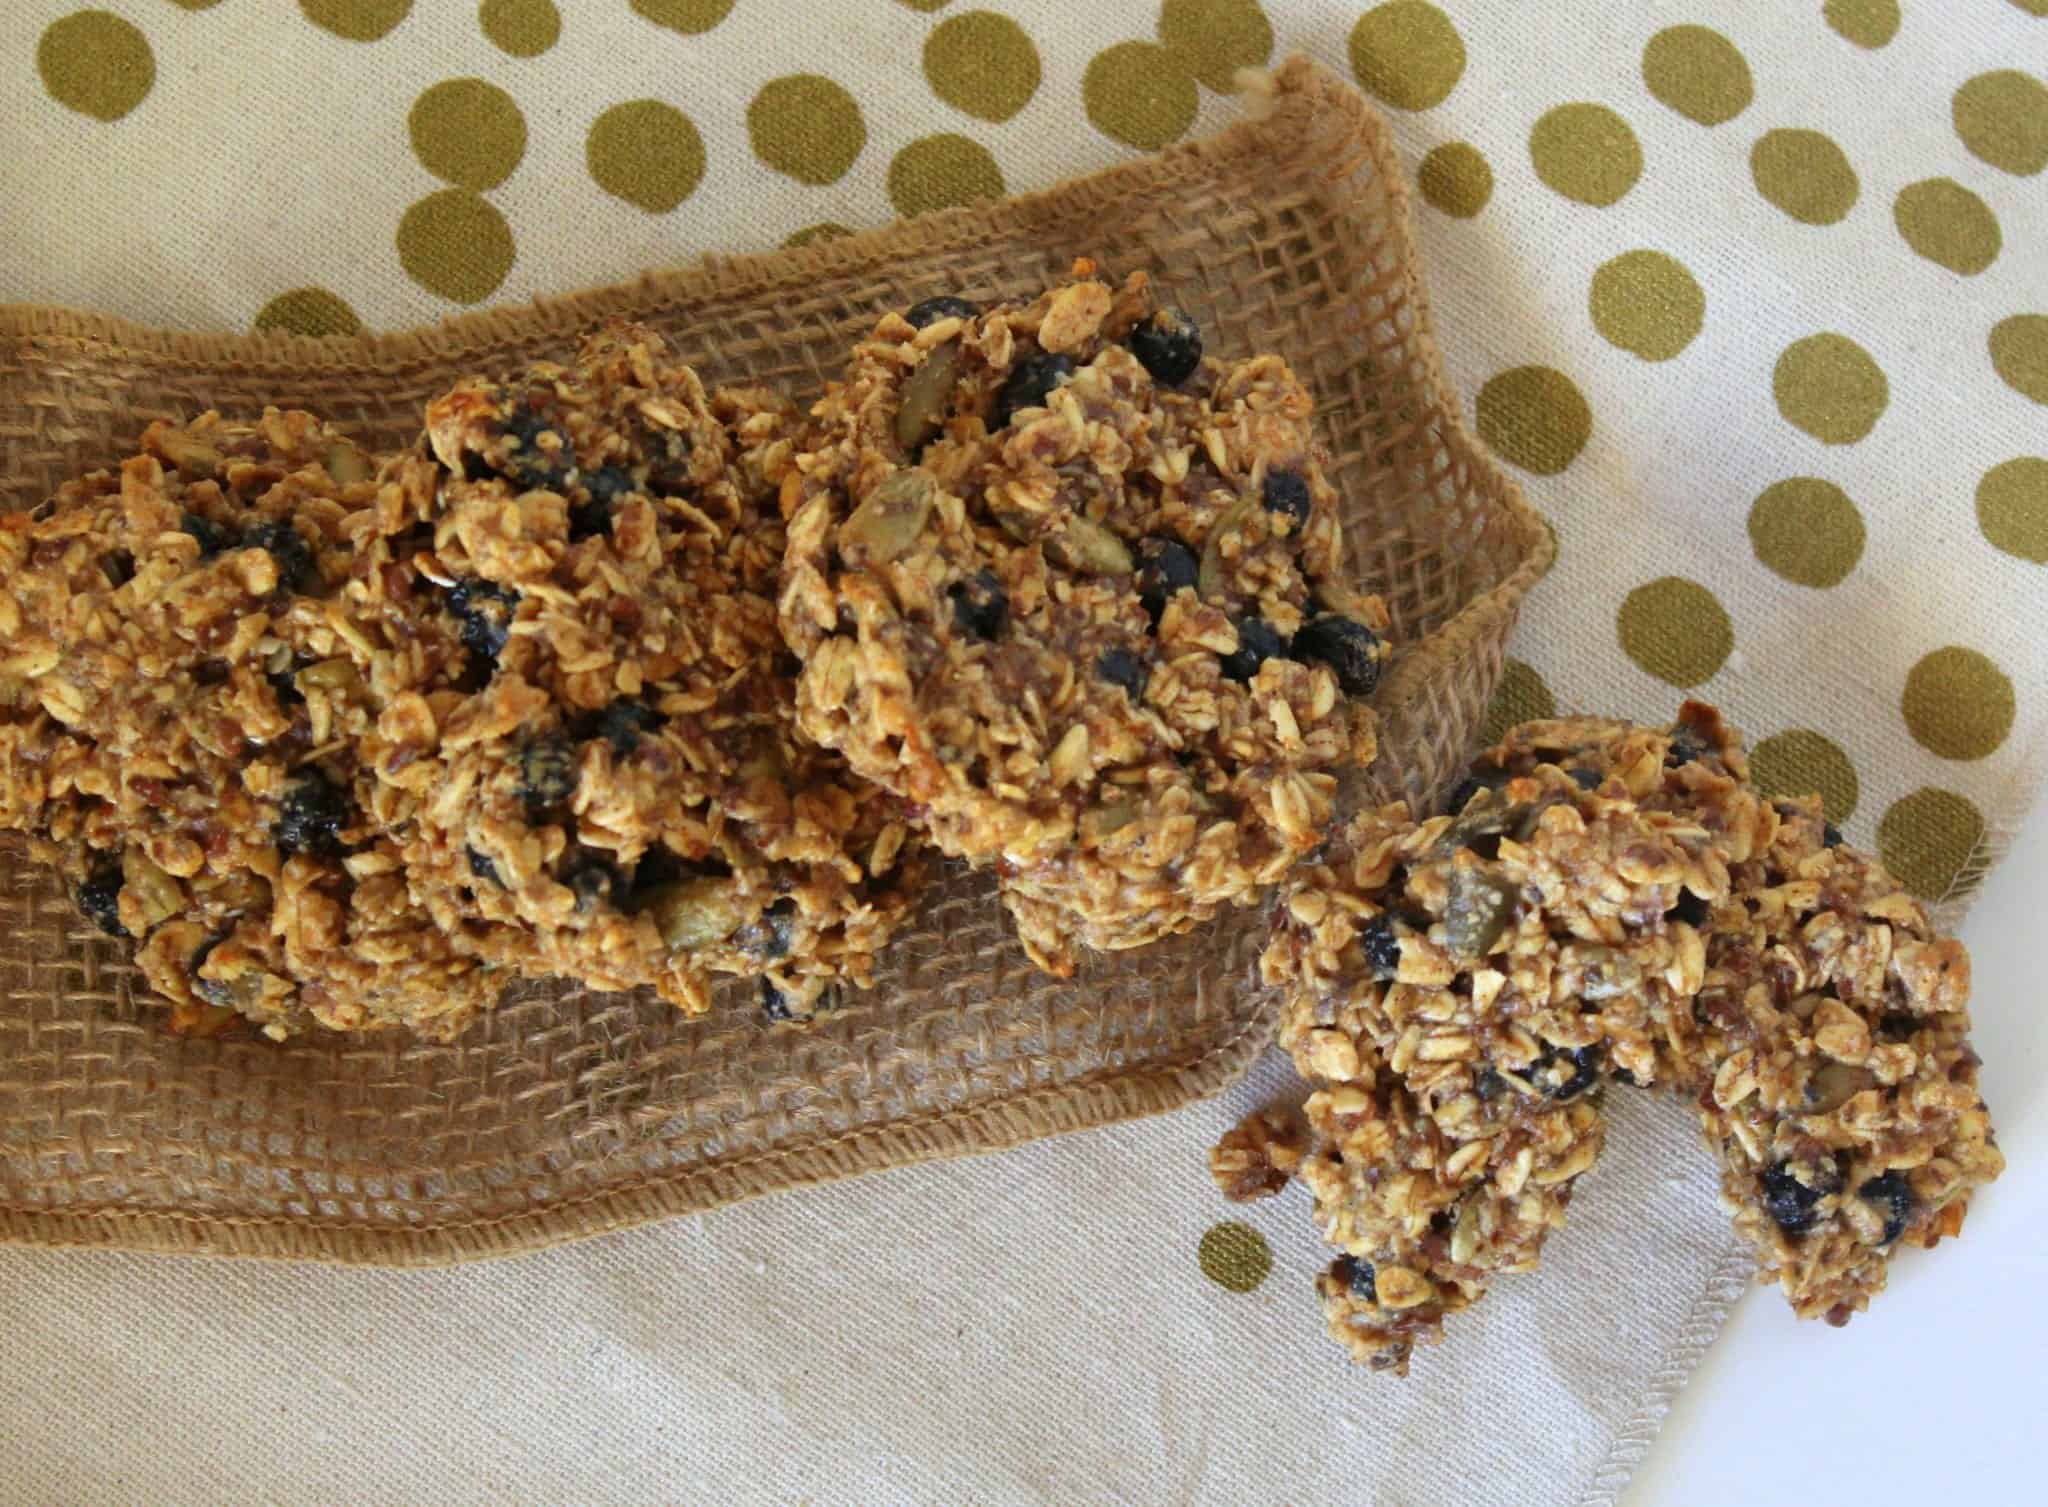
{"type": "Point", "coordinates": [565, 1112]}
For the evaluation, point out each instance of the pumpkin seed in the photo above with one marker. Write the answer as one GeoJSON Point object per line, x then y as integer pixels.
{"type": "Point", "coordinates": [1088, 547]}
{"type": "Point", "coordinates": [1210, 580]}
{"type": "Point", "coordinates": [1478, 912]}
{"type": "Point", "coordinates": [1834, 1085]}
{"type": "Point", "coordinates": [927, 394]}
{"type": "Point", "coordinates": [345, 463]}
{"type": "Point", "coordinates": [889, 521]}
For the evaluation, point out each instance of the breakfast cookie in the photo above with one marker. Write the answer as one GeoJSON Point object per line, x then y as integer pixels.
{"type": "Point", "coordinates": [609, 784]}
{"type": "Point", "coordinates": [1458, 988]}
{"type": "Point", "coordinates": [179, 695]}
{"type": "Point", "coordinates": [1839, 1087]}
{"type": "Point", "coordinates": [1611, 902]}
{"type": "Point", "coordinates": [1074, 592]}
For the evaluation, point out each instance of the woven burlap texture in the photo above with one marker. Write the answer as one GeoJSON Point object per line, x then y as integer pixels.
{"type": "Point", "coordinates": [566, 1113]}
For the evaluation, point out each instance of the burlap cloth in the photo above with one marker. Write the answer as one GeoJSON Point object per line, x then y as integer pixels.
{"type": "Point", "coordinates": [1849, 562]}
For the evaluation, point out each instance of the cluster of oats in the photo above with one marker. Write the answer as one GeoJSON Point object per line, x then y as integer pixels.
{"type": "Point", "coordinates": [1605, 903]}
{"type": "Point", "coordinates": [352, 742]}
{"type": "Point", "coordinates": [1073, 592]}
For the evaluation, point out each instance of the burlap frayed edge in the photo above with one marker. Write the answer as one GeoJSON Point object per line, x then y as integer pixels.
{"type": "Point", "coordinates": [1442, 684]}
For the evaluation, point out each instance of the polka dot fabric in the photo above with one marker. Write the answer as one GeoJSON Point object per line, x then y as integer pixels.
{"type": "Point", "coordinates": [1749, 293]}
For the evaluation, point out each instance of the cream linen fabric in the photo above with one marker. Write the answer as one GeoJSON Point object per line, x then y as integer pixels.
{"type": "Point", "coordinates": [1035, 1327]}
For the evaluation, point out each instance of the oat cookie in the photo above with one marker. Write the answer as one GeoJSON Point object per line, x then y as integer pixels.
{"type": "Point", "coordinates": [608, 784]}
{"type": "Point", "coordinates": [1612, 902]}
{"type": "Point", "coordinates": [1839, 1088]}
{"type": "Point", "coordinates": [1073, 591]}
{"type": "Point", "coordinates": [180, 690]}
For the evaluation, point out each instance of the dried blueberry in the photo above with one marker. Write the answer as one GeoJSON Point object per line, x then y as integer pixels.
{"type": "Point", "coordinates": [623, 722]}
{"type": "Point", "coordinates": [606, 485]}
{"type": "Point", "coordinates": [1349, 648]}
{"type": "Point", "coordinates": [1381, 946]}
{"type": "Point", "coordinates": [99, 897]}
{"type": "Point", "coordinates": [1030, 380]}
{"type": "Point", "coordinates": [1563, 1073]}
{"type": "Point", "coordinates": [1892, 1193]}
{"type": "Point", "coordinates": [658, 866]}
{"type": "Point", "coordinates": [311, 815]}
{"type": "Point", "coordinates": [1256, 643]}
{"type": "Point", "coordinates": [1830, 835]}
{"type": "Point", "coordinates": [118, 566]}
{"type": "Point", "coordinates": [1690, 909]}
{"type": "Point", "coordinates": [932, 310]}
{"type": "Point", "coordinates": [768, 937]}
{"type": "Point", "coordinates": [1686, 746]}
{"type": "Point", "coordinates": [773, 1005]}
{"type": "Point", "coordinates": [1287, 492]}
{"type": "Point", "coordinates": [1357, 1276]}
{"type": "Point", "coordinates": [594, 882]}
{"type": "Point", "coordinates": [1119, 666]}
{"type": "Point", "coordinates": [980, 605]}
{"type": "Point", "coordinates": [1584, 778]}
{"type": "Point", "coordinates": [1488, 1085]}
{"type": "Point", "coordinates": [1794, 1205]}
{"type": "Point", "coordinates": [1467, 789]}
{"type": "Point", "coordinates": [1169, 345]}
{"type": "Point", "coordinates": [287, 549]}
{"type": "Point", "coordinates": [1898, 1025]}
{"type": "Point", "coordinates": [211, 536]}
{"type": "Point", "coordinates": [1164, 567]}
{"type": "Point", "coordinates": [482, 867]}
{"type": "Point", "coordinates": [532, 464]}
{"type": "Point", "coordinates": [285, 687]}
{"type": "Point", "coordinates": [485, 611]}
{"type": "Point", "coordinates": [547, 771]}
{"type": "Point", "coordinates": [1623, 1075]}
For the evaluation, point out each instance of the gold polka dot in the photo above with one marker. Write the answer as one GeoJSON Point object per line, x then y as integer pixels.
{"type": "Point", "coordinates": [1828, 385]}
{"type": "Point", "coordinates": [455, 244]}
{"type": "Point", "coordinates": [1957, 703]}
{"type": "Point", "coordinates": [936, 172]}
{"type": "Point", "coordinates": [1676, 630]}
{"type": "Point", "coordinates": [2012, 507]}
{"type": "Point", "coordinates": [2019, 354]}
{"type": "Point", "coordinates": [1931, 841]}
{"type": "Point", "coordinates": [1807, 530]}
{"type": "Point", "coordinates": [926, 6]}
{"type": "Point", "coordinates": [95, 63]}
{"type": "Point", "coordinates": [467, 132]}
{"type": "Point", "coordinates": [356, 20]}
{"type": "Point", "coordinates": [195, 4]}
{"type": "Point", "coordinates": [1407, 53]}
{"type": "Point", "coordinates": [309, 311]}
{"type": "Point", "coordinates": [1867, 23]}
{"type": "Point", "coordinates": [1804, 174]}
{"type": "Point", "coordinates": [1456, 179]}
{"type": "Point", "coordinates": [982, 63]}
{"type": "Point", "coordinates": [524, 28]}
{"type": "Point", "coordinates": [1647, 303]}
{"type": "Point", "coordinates": [824, 230]}
{"type": "Point", "coordinates": [647, 153]}
{"type": "Point", "coordinates": [1215, 38]}
{"type": "Point", "coordinates": [1536, 417]}
{"type": "Point", "coordinates": [2003, 118]}
{"type": "Point", "coordinates": [686, 16]}
{"type": "Point", "coordinates": [1586, 152]}
{"type": "Point", "coordinates": [1235, 1256]}
{"type": "Point", "coordinates": [806, 126]}
{"type": "Point", "coordinates": [1801, 761]}
{"type": "Point", "coordinates": [1520, 697]}
{"type": "Point", "coordinates": [1946, 223]}
{"type": "Point", "coordinates": [2032, 7]}
{"type": "Point", "coordinates": [1139, 93]}
{"type": "Point", "coordinates": [1699, 73]}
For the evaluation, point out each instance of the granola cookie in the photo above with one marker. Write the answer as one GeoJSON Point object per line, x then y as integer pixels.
{"type": "Point", "coordinates": [609, 785]}
{"type": "Point", "coordinates": [1839, 1087]}
{"type": "Point", "coordinates": [1073, 591]}
{"type": "Point", "coordinates": [1459, 988]}
{"type": "Point", "coordinates": [1613, 902]}
{"type": "Point", "coordinates": [179, 688]}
